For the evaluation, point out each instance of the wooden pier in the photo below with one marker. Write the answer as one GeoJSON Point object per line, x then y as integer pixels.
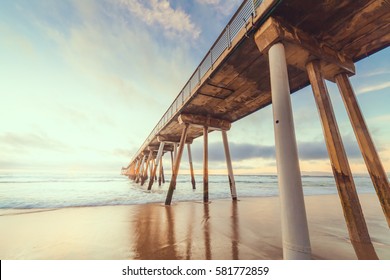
{"type": "Point", "coordinates": [269, 50]}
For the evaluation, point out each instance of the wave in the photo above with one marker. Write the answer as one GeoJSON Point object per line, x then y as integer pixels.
{"type": "Point", "coordinates": [49, 192]}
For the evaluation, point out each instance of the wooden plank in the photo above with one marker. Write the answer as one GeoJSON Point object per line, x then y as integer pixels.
{"type": "Point", "coordinates": [353, 214]}
{"type": "Point", "coordinates": [370, 155]}
{"type": "Point", "coordinates": [361, 23]}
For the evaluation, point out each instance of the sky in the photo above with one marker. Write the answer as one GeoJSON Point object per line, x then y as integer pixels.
{"type": "Point", "coordinates": [83, 83]}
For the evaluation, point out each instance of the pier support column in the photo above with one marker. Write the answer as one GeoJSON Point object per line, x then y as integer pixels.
{"type": "Point", "coordinates": [161, 174]}
{"type": "Point", "coordinates": [132, 170]}
{"type": "Point", "coordinates": [353, 214]}
{"type": "Point", "coordinates": [172, 184]}
{"type": "Point", "coordinates": [137, 167]}
{"type": "Point", "coordinates": [232, 182]}
{"type": "Point", "coordinates": [370, 155]}
{"type": "Point", "coordinates": [205, 165]}
{"type": "Point", "coordinates": [172, 162]}
{"type": "Point", "coordinates": [145, 173]}
{"type": "Point", "coordinates": [141, 169]}
{"type": "Point", "coordinates": [151, 166]}
{"type": "Point", "coordinates": [174, 151]}
{"type": "Point", "coordinates": [191, 166]}
{"type": "Point", "coordinates": [158, 159]}
{"type": "Point", "coordinates": [296, 242]}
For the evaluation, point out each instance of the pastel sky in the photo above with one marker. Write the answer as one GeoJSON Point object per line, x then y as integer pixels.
{"type": "Point", "coordinates": [82, 84]}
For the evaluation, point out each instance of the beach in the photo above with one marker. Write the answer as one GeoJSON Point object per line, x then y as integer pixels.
{"type": "Point", "coordinates": [222, 229]}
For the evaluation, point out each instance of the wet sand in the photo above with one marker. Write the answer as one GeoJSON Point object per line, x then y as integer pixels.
{"type": "Point", "coordinates": [249, 229]}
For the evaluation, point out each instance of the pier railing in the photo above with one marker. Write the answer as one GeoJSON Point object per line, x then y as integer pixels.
{"type": "Point", "coordinates": [245, 12]}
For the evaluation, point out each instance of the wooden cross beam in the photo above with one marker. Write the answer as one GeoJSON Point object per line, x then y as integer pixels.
{"type": "Point", "coordinates": [302, 47]}
{"type": "Point", "coordinates": [204, 121]}
{"type": "Point", "coordinates": [170, 139]}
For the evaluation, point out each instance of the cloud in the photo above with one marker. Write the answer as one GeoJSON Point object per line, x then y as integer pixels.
{"type": "Point", "coordinates": [238, 151]}
{"type": "Point", "coordinates": [315, 150]}
{"type": "Point", "coordinates": [371, 88]}
{"type": "Point", "coordinates": [208, 2]}
{"type": "Point", "coordinates": [222, 7]}
{"type": "Point", "coordinates": [159, 13]}
{"type": "Point", "coordinates": [112, 47]}
{"type": "Point", "coordinates": [31, 141]}
{"type": "Point", "coordinates": [123, 152]}
{"type": "Point", "coordinates": [377, 72]}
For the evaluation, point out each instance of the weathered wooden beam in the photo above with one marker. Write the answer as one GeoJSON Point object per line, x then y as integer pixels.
{"type": "Point", "coordinates": [205, 165]}
{"type": "Point", "coordinates": [366, 29]}
{"type": "Point", "coordinates": [172, 184]}
{"type": "Point", "coordinates": [172, 140]}
{"type": "Point", "coordinates": [303, 48]}
{"type": "Point", "coordinates": [202, 121]}
{"type": "Point", "coordinates": [370, 155]}
{"type": "Point", "coordinates": [232, 182]}
{"type": "Point", "coordinates": [295, 233]}
{"type": "Point", "coordinates": [153, 148]}
{"type": "Point", "coordinates": [191, 166]}
{"type": "Point", "coordinates": [356, 223]}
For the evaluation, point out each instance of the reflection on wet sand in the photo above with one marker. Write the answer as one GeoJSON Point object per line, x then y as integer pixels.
{"type": "Point", "coordinates": [167, 232]}
{"type": "Point", "coordinates": [222, 229]}
{"type": "Point", "coordinates": [154, 233]}
{"type": "Point", "coordinates": [206, 231]}
{"type": "Point", "coordinates": [235, 233]}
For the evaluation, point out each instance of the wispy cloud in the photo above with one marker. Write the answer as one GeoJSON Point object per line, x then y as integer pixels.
{"type": "Point", "coordinates": [315, 150]}
{"type": "Point", "coordinates": [371, 88]}
{"type": "Point", "coordinates": [31, 141]}
{"type": "Point", "coordinates": [377, 72]}
{"type": "Point", "coordinates": [160, 13]}
{"type": "Point", "coordinates": [223, 7]}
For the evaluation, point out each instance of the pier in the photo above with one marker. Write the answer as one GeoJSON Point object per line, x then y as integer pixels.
{"type": "Point", "coordinates": [269, 50]}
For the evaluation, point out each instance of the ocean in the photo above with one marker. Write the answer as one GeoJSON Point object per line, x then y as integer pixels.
{"type": "Point", "coordinates": [36, 191]}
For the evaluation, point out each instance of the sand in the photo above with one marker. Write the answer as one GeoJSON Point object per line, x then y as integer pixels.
{"type": "Point", "coordinates": [249, 229]}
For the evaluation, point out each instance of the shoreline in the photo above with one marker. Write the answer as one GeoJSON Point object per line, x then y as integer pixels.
{"type": "Point", "coordinates": [243, 197]}
{"type": "Point", "coordinates": [248, 229]}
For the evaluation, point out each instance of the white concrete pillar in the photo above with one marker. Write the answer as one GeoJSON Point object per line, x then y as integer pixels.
{"type": "Point", "coordinates": [232, 182]}
{"type": "Point", "coordinates": [296, 242]}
